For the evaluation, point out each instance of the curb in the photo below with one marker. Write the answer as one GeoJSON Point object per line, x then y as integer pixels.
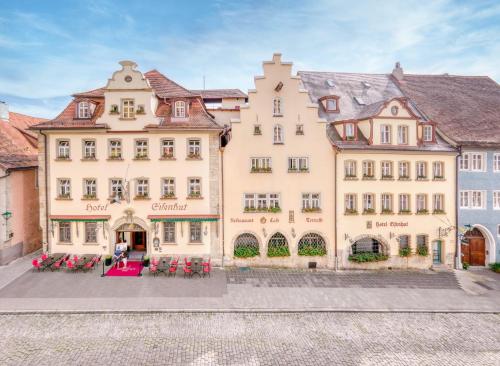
{"type": "Point", "coordinates": [248, 311]}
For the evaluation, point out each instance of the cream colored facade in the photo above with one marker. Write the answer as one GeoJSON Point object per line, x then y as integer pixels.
{"type": "Point", "coordinates": [254, 136]}
{"type": "Point", "coordinates": [388, 225]}
{"type": "Point", "coordinates": [135, 212]}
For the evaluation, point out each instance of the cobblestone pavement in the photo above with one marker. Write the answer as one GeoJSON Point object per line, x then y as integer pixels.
{"type": "Point", "coordinates": [251, 339]}
{"type": "Point", "coordinates": [348, 279]}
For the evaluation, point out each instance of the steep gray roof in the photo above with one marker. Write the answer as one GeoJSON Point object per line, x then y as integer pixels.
{"type": "Point", "coordinates": [370, 89]}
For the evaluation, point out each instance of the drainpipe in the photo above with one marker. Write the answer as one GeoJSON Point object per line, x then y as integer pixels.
{"type": "Point", "coordinates": [46, 190]}
{"type": "Point", "coordinates": [222, 203]}
{"type": "Point", "coordinates": [458, 249]}
{"type": "Point", "coordinates": [7, 171]}
{"type": "Point", "coordinates": [336, 264]}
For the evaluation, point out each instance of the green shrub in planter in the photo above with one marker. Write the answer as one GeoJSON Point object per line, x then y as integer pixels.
{"type": "Point", "coordinates": [108, 260]}
{"type": "Point", "coordinates": [278, 251]}
{"type": "Point", "coordinates": [368, 257]}
{"type": "Point", "coordinates": [422, 250]}
{"type": "Point", "coordinates": [495, 267]}
{"type": "Point", "coordinates": [312, 250]}
{"type": "Point", "coordinates": [405, 252]}
{"type": "Point", "coordinates": [246, 252]}
{"type": "Point", "coordinates": [145, 262]}
{"type": "Point", "coordinates": [465, 265]}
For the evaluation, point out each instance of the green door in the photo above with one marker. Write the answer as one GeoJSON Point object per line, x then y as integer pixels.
{"type": "Point", "coordinates": [436, 252]}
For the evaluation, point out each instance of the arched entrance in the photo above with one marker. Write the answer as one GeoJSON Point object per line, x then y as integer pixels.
{"type": "Point", "coordinates": [246, 245]}
{"type": "Point", "coordinates": [368, 245]}
{"type": "Point", "coordinates": [474, 248]}
{"type": "Point", "coordinates": [134, 235]}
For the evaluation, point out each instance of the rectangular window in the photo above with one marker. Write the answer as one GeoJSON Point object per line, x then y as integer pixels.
{"type": "Point", "coordinates": [421, 200]}
{"type": "Point", "coordinates": [298, 164]}
{"type": "Point", "coordinates": [65, 232]}
{"type": "Point", "coordinates": [169, 232]}
{"type": "Point", "coordinates": [261, 165]}
{"type": "Point", "coordinates": [142, 188]}
{"type": "Point", "coordinates": [404, 241]}
{"type": "Point", "coordinates": [91, 232]}
{"type": "Point", "coordinates": [386, 169]}
{"type": "Point", "coordinates": [428, 133]}
{"type": "Point", "coordinates": [463, 161]}
{"type": "Point", "coordinates": [350, 203]}
{"type": "Point", "coordinates": [89, 188]}
{"type": "Point", "coordinates": [404, 203]}
{"type": "Point", "coordinates": [421, 240]}
{"type": "Point", "coordinates": [168, 188]}
{"type": "Point", "coordinates": [421, 170]}
{"type": "Point", "coordinates": [261, 201]}
{"type": "Point", "coordinates": [368, 169]}
{"type": "Point", "coordinates": [141, 149]}
{"type": "Point", "coordinates": [438, 170]}
{"type": "Point", "coordinates": [496, 163]}
{"type": "Point", "coordinates": [194, 149]}
{"type": "Point", "coordinates": [385, 134]}
{"type": "Point", "coordinates": [350, 170]}
{"type": "Point", "coordinates": [63, 149]}
{"type": "Point", "coordinates": [194, 187]}
{"type": "Point", "coordinates": [128, 108]}
{"type": "Point", "coordinates": [89, 149]}
{"type": "Point", "coordinates": [195, 232]}
{"type": "Point", "coordinates": [402, 135]}
{"type": "Point", "coordinates": [473, 199]}
{"type": "Point", "coordinates": [64, 188]}
{"type": "Point", "coordinates": [167, 148]}
{"type": "Point", "coordinates": [438, 203]}
{"type": "Point", "coordinates": [368, 203]}
{"type": "Point", "coordinates": [349, 131]}
{"type": "Point", "coordinates": [257, 130]}
{"type": "Point", "coordinates": [180, 109]}
{"type": "Point", "coordinates": [116, 188]}
{"type": "Point", "coordinates": [115, 149]}
{"type": "Point", "coordinates": [277, 106]}
{"type": "Point", "coordinates": [386, 202]}
{"type": "Point", "coordinates": [496, 200]}
{"type": "Point", "coordinates": [477, 162]}
{"type": "Point", "coordinates": [311, 202]}
{"type": "Point", "coordinates": [299, 130]}
{"type": "Point", "coordinates": [404, 170]}
{"type": "Point", "coordinates": [83, 110]}
{"type": "Point", "coordinates": [498, 230]}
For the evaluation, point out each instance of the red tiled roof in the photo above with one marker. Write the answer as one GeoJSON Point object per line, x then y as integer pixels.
{"type": "Point", "coordinates": [466, 108]}
{"type": "Point", "coordinates": [95, 93]}
{"type": "Point", "coordinates": [18, 147]}
{"type": "Point", "coordinates": [220, 93]}
{"type": "Point", "coordinates": [166, 88]}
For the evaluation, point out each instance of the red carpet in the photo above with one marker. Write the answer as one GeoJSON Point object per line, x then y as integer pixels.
{"type": "Point", "coordinates": [133, 269]}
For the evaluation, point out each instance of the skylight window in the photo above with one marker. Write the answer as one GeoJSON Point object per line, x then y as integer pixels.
{"type": "Point", "coordinates": [366, 84]}
{"type": "Point", "coordinates": [330, 83]}
{"type": "Point", "coordinates": [360, 100]}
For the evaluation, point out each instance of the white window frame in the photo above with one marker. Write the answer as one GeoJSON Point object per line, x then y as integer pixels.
{"type": "Point", "coordinates": [167, 147]}
{"type": "Point", "coordinates": [385, 134]}
{"type": "Point", "coordinates": [367, 166]}
{"type": "Point", "coordinates": [335, 103]}
{"type": "Point", "coordinates": [350, 169]}
{"type": "Point", "coordinates": [194, 186]}
{"type": "Point", "coordinates": [64, 188]}
{"type": "Point", "coordinates": [349, 130]}
{"type": "Point", "coordinates": [368, 201]}
{"type": "Point", "coordinates": [84, 110]}
{"type": "Point", "coordinates": [298, 164]}
{"type": "Point", "coordinates": [168, 187]}
{"type": "Point", "coordinates": [464, 162]}
{"type": "Point", "coordinates": [386, 202]}
{"type": "Point", "coordinates": [421, 202]}
{"type": "Point", "coordinates": [496, 163]}
{"type": "Point", "coordinates": [90, 232]}
{"type": "Point", "coordinates": [477, 162]}
{"type": "Point", "coordinates": [141, 149]}
{"type": "Point", "coordinates": [116, 187]}
{"type": "Point", "coordinates": [404, 169]}
{"type": "Point", "coordinates": [128, 108]}
{"type": "Point", "coordinates": [404, 202]}
{"type": "Point", "coordinates": [403, 135]}
{"type": "Point", "coordinates": [63, 149]}
{"type": "Point", "coordinates": [142, 187]}
{"type": "Point", "coordinates": [261, 164]}
{"type": "Point", "coordinates": [468, 199]}
{"type": "Point", "coordinates": [89, 149]}
{"type": "Point", "coordinates": [90, 187]}
{"type": "Point", "coordinates": [277, 106]}
{"type": "Point", "coordinates": [278, 134]}
{"type": "Point", "coordinates": [311, 201]}
{"type": "Point", "coordinates": [169, 232]}
{"type": "Point", "coordinates": [386, 169]}
{"type": "Point", "coordinates": [427, 133]}
{"type": "Point", "coordinates": [496, 200]}
{"type": "Point", "coordinates": [438, 202]}
{"type": "Point", "coordinates": [180, 109]}
{"type": "Point", "coordinates": [65, 234]}
{"type": "Point", "coordinates": [421, 169]}
{"type": "Point", "coordinates": [194, 148]}
{"type": "Point", "coordinates": [195, 232]}
{"type": "Point", "coordinates": [263, 201]}
{"type": "Point", "coordinates": [350, 202]}
{"type": "Point", "coordinates": [115, 149]}
{"type": "Point", "coordinates": [438, 170]}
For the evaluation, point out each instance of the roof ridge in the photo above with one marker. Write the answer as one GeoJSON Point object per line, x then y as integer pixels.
{"type": "Point", "coordinates": [167, 78]}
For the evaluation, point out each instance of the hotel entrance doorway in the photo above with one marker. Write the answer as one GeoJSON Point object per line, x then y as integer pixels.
{"type": "Point", "coordinates": [134, 235]}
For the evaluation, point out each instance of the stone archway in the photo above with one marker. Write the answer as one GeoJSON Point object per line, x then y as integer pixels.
{"type": "Point", "coordinates": [369, 243]}
{"type": "Point", "coordinates": [479, 250]}
{"type": "Point", "coordinates": [134, 230]}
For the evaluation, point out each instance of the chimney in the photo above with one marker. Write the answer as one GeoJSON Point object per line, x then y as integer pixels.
{"type": "Point", "coordinates": [4, 111]}
{"type": "Point", "coordinates": [397, 72]}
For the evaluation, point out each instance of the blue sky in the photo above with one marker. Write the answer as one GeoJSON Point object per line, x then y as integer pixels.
{"type": "Point", "coordinates": [51, 49]}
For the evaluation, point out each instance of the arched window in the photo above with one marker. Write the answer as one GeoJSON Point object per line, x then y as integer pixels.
{"type": "Point", "coordinates": [278, 134]}
{"type": "Point", "coordinates": [367, 245]}
{"type": "Point", "coordinates": [84, 110]}
{"type": "Point", "coordinates": [277, 106]}
{"type": "Point", "coordinates": [180, 109]}
{"type": "Point", "coordinates": [312, 244]}
{"type": "Point", "coordinates": [246, 245]}
{"type": "Point", "coordinates": [277, 246]}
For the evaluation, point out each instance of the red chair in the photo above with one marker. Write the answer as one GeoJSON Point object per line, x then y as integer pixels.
{"type": "Point", "coordinates": [172, 270]}
{"type": "Point", "coordinates": [186, 262]}
{"type": "Point", "coordinates": [44, 256]}
{"type": "Point", "coordinates": [75, 258]}
{"type": "Point", "coordinates": [207, 268]}
{"type": "Point", "coordinates": [153, 269]}
{"type": "Point", "coordinates": [175, 261]}
{"type": "Point", "coordinates": [155, 261]}
{"type": "Point", "coordinates": [57, 265]}
{"type": "Point", "coordinates": [187, 271]}
{"type": "Point", "coordinates": [71, 266]}
{"type": "Point", "coordinates": [207, 263]}
{"type": "Point", "coordinates": [36, 265]}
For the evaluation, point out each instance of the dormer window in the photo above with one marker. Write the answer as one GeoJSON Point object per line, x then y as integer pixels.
{"type": "Point", "coordinates": [350, 133]}
{"type": "Point", "coordinates": [330, 103]}
{"type": "Point", "coordinates": [128, 108]}
{"type": "Point", "coordinates": [385, 134]}
{"type": "Point", "coordinates": [428, 133]}
{"type": "Point", "coordinates": [83, 110]}
{"type": "Point", "coordinates": [277, 107]}
{"type": "Point", "coordinates": [180, 109]}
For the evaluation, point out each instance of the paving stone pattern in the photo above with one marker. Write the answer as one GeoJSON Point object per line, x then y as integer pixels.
{"type": "Point", "coordinates": [381, 279]}
{"type": "Point", "coordinates": [250, 339]}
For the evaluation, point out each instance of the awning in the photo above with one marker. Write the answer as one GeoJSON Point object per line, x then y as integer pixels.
{"type": "Point", "coordinates": [79, 218]}
{"type": "Point", "coordinates": [181, 218]}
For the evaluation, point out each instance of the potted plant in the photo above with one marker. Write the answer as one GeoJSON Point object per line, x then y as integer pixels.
{"type": "Point", "coordinates": [422, 250]}
{"type": "Point", "coordinates": [422, 211]}
{"type": "Point", "coordinates": [145, 261]}
{"type": "Point", "coordinates": [367, 257]}
{"type": "Point", "coordinates": [351, 211]}
{"type": "Point", "coordinates": [108, 260]}
{"type": "Point", "coordinates": [405, 253]}
{"type": "Point", "coordinates": [465, 265]}
{"type": "Point", "coordinates": [368, 211]}
{"type": "Point", "coordinates": [246, 252]}
{"type": "Point", "coordinates": [495, 267]}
